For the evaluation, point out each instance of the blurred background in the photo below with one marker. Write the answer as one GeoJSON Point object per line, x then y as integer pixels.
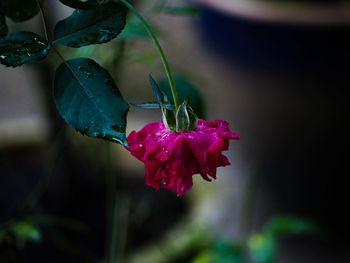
{"type": "Point", "coordinates": [276, 70]}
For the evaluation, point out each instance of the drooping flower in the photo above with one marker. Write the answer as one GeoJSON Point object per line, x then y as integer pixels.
{"type": "Point", "coordinates": [172, 158]}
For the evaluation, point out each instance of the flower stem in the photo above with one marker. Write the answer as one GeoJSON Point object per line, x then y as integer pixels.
{"type": "Point", "coordinates": [159, 48]}
{"type": "Point", "coordinates": [43, 19]}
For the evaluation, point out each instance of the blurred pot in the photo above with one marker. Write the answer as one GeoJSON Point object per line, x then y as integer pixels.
{"type": "Point", "coordinates": [300, 141]}
{"type": "Point", "coordinates": [273, 34]}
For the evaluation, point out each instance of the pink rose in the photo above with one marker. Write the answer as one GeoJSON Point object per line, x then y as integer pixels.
{"type": "Point", "coordinates": [172, 158]}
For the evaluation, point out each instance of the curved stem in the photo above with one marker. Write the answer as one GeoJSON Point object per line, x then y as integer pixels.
{"type": "Point", "coordinates": [43, 19]}
{"type": "Point", "coordinates": [159, 48]}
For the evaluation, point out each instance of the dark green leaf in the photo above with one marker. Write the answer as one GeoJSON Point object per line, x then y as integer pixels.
{"type": "Point", "coordinates": [157, 91]}
{"type": "Point", "coordinates": [290, 226]}
{"type": "Point", "coordinates": [154, 105]}
{"type": "Point", "coordinates": [26, 230]}
{"type": "Point", "coordinates": [21, 47]}
{"type": "Point", "coordinates": [87, 27]}
{"type": "Point", "coordinates": [88, 99]}
{"type": "Point", "coordinates": [85, 5]}
{"type": "Point", "coordinates": [184, 89]}
{"type": "Point", "coordinates": [169, 116]}
{"type": "Point", "coordinates": [182, 10]}
{"type": "Point", "coordinates": [262, 248]}
{"type": "Point", "coordinates": [20, 10]}
{"type": "Point", "coordinates": [3, 26]}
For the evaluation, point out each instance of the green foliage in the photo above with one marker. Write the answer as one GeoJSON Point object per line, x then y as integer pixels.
{"type": "Point", "coordinates": [85, 5]}
{"type": "Point", "coordinates": [26, 230]}
{"type": "Point", "coordinates": [88, 99]}
{"type": "Point", "coordinates": [3, 26]}
{"type": "Point", "coordinates": [185, 88]}
{"type": "Point", "coordinates": [19, 10]}
{"type": "Point", "coordinates": [262, 248]}
{"type": "Point", "coordinates": [290, 226]}
{"type": "Point", "coordinates": [87, 27]}
{"type": "Point", "coordinates": [184, 10]}
{"type": "Point", "coordinates": [221, 252]}
{"type": "Point", "coordinates": [21, 47]}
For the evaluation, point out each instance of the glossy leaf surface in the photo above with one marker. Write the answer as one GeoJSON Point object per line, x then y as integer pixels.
{"type": "Point", "coordinates": [88, 99]}
{"type": "Point", "coordinates": [87, 27]}
{"type": "Point", "coordinates": [3, 26]}
{"type": "Point", "coordinates": [21, 47]}
{"type": "Point", "coordinates": [20, 10]}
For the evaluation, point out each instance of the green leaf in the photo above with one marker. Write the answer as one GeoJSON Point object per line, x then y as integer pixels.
{"type": "Point", "coordinates": [157, 91]}
{"type": "Point", "coordinates": [20, 10]}
{"type": "Point", "coordinates": [290, 226]}
{"type": "Point", "coordinates": [168, 116]}
{"type": "Point", "coordinates": [88, 99]}
{"type": "Point", "coordinates": [21, 47]}
{"type": "Point", "coordinates": [182, 10]}
{"type": "Point", "coordinates": [3, 26]}
{"type": "Point", "coordinates": [87, 27]}
{"type": "Point", "coordinates": [185, 88]}
{"type": "Point", "coordinates": [263, 248]}
{"type": "Point", "coordinates": [26, 230]}
{"type": "Point", "coordinates": [85, 5]}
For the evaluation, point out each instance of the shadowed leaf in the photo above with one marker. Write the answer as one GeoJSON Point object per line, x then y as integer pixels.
{"type": "Point", "coordinates": [3, 26]}
{"type": "Point", "coordinates": [20, 10]}
{"type": "Point", "coordinates": [88, 99]}
{"type": "Point", "coordinates": [87, 27]}
{"type": "Point", "coordinates": [21, 47]}
{"type": "Point", "coordinates": [85, 5]}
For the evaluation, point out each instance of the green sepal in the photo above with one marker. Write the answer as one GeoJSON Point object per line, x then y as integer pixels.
{"type": "Point", "coordinates": [169, 119]}
{"type": "Point", "coordinates": [186, 119]}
